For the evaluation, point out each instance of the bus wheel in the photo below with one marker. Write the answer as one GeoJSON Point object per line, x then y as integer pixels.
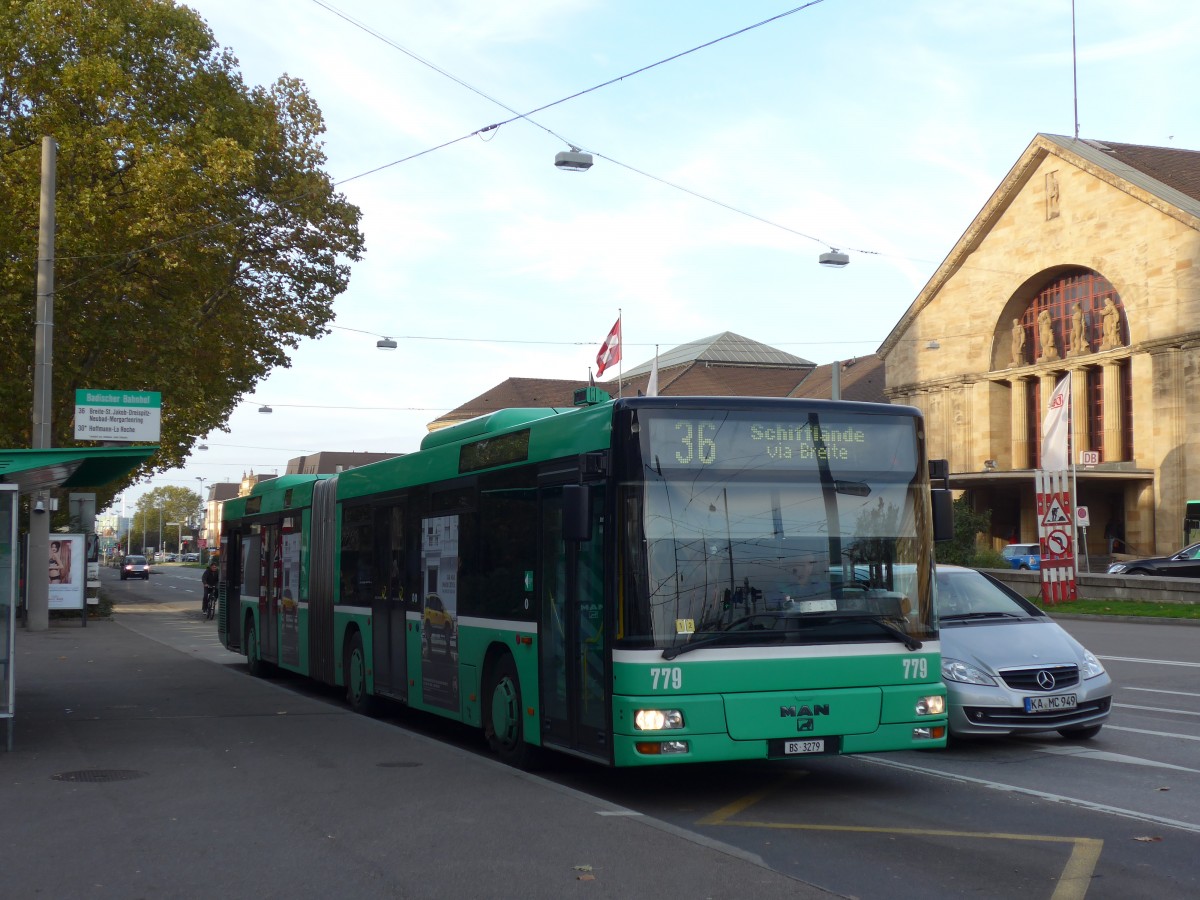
{"type": "Point", "coordinates": [355, 671]}
{"type": "Point", "coordinates": [503, 725]}
{"type": "Point", "coordinates": [254, 662]}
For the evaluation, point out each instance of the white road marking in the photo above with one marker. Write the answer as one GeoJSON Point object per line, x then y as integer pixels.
{"type": "Point", "coordinates": [1042, 795]}
{"type": "Point", "coordinates": [1153, 662]}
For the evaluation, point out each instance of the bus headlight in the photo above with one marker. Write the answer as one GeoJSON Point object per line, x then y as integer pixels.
{"type": "Point", "coordinates": [657, 719]}
{"type": "Point", "coordinates": [933, 705]}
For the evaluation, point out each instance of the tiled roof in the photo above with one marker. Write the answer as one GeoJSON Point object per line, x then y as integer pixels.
{"type": "Point", "coordinates": [861, 378]}
{"type": "Point", "coordinates": [725, 347]}
{"type": "Point", "coordinates": [1179, 169]}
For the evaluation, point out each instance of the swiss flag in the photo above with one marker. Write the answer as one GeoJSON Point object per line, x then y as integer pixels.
{"type": "Point", "coordinates": [610, 352]}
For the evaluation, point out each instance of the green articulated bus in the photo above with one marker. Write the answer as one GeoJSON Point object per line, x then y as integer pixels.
{"type": "Point", "coordinates": [638, 581]}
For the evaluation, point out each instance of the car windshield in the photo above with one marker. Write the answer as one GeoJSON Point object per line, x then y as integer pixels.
{"type": "Point", "coordinates": [136, 560]}
{"type": "Point", "coordinates": [965, 594]}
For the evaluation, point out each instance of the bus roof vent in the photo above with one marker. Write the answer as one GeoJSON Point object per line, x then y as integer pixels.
{"type": "Point", "coordinates": [591, 396]}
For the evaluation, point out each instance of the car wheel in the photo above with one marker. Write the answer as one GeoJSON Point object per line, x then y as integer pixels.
{"type": "Point", "coordinates": [1023, 568]}
{"type": "Point", "coordinates": [1137, 572]}
{"type": "Point", "coordinates": [354, 670]}
{"type": "Point", "coordinates": [1081, 733]}
{"type": "Point", "coordinates": [123, 576]}
{"type": "Point", "coordinates": [503, 724]}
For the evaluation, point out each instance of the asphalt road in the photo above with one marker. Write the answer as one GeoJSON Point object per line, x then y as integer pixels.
{"type": "Point", "coordinates": [1031, 817]}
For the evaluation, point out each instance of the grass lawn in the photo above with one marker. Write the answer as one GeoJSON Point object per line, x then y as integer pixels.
{"type": "Point", "coordinates": [1144, 608]}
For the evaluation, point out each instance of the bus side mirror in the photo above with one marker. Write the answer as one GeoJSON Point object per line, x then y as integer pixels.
{"type": "Point", "coordinates": [577, 521]}
{"type": "Point", "coordinates": [941, 499]}
{"type": "Point", "coordinates": [943, 514]}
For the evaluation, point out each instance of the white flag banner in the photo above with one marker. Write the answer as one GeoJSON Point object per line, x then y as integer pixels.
{"type": "Point", "coordinates": [1056, 424]}
{"type": "Point", "coordinates": [652, 384]}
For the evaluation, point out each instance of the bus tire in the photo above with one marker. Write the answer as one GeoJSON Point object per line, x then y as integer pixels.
{"type": "Point", "coordinates": [503, 723]}
{"type": "Point", "coordinates": [254, 662]}
{"type": "Point", "coordinates": [354, 671]}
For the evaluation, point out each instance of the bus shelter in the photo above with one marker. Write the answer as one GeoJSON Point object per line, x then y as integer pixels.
{"type": "Point", "coordinates": [28, 471]}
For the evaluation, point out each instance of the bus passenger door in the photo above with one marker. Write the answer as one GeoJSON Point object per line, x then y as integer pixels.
{"type": "Point", "coordinates": [571, 632]}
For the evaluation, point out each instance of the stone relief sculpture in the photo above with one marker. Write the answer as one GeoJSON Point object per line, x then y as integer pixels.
{"type": "Point", "coordinates": [1018, 343]}
{"type": "Point", "coordinates": [1078, 343]}
{"type": "Point", "coordinates": [1110, 320]}
{"type": "Point", "coordinates": [1046, 336]}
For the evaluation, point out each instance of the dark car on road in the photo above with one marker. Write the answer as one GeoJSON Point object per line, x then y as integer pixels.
{"type": "Point", "coordinates": [135, 567]}
{"type": "Point", "coordinates": [1184, 564]}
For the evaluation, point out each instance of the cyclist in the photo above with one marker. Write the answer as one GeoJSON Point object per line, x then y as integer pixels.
{"type": "Point", "coordinates": [210, 578]}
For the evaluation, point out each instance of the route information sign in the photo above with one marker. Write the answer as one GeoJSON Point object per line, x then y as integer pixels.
{"type": "Point", "coordinates": [118, 416]}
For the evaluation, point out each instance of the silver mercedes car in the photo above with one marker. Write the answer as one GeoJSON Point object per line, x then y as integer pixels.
{"type": "Point", "coordinates": [1011, 669]}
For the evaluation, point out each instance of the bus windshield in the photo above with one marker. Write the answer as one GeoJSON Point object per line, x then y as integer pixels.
{"type": "Point", "coordinates": [748, 531]}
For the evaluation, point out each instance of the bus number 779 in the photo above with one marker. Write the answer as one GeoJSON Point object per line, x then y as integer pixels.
{"type": "Point", "coordinates": [667, 678]}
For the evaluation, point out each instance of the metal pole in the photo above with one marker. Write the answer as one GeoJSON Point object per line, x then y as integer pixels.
{"type": "Point", "coordinates": [37, 597]}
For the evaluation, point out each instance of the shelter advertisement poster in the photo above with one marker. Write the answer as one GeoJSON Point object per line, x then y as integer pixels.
{"type": "Point", "coordinates": [68, 571]}
{"type": "Point", "coordinates": [289, 626]}
{"type": "Point", "coordinates": [439, 616]}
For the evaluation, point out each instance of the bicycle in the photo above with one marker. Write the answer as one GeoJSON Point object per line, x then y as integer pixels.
{"type": "Point", "coordinates": [208, 607]}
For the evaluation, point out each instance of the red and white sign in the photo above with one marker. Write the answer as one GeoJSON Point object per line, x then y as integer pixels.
{"type": "Point", "coordinates": [1055, 532]}
{"type": "Point", "coordinates": [1089, 457]}
{"type": "Point", "coordinates": [1082, 517]}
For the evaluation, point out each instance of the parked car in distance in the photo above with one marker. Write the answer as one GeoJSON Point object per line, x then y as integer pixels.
{"type": "Point", "coordinates": [170, 557]}
{"type": "Point", "coordinates": [1024, 556]}
{"type": "Point", "coordinates": [191, 557]}
{"type": "Point", "coordinates": [135, 567]}
{"type": "Point", "coordinates": [1011, 669]}
{"type": "Point", "coordinates": [1184, 564]}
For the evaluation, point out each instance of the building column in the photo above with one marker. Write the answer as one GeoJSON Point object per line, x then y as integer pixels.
{"type": "Point", "coordinates": [1020, 423]}
{"type": "Point", "coordinates": [1079, 413]}
{"type": "Point", "coordinates": [1111, 374]}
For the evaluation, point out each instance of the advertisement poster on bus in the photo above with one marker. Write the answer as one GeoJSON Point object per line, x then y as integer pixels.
{"type": "Point", "coordinates": [289, 625]}
{"type": "Point", "coordinates": [439, 617]}
{"type": "Point", "coordinates": [68, 572]}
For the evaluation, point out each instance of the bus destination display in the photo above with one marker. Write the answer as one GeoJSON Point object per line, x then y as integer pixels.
{"type": "Point", "coordinates": [865, 443]}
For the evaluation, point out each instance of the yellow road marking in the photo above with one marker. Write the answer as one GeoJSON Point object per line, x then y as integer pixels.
{"type": "Point", "coordinates": [1072, 883]}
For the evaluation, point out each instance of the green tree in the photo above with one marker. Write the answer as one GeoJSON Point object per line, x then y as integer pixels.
{"type": "Point", "coordinates": [965, 550]}
{"type": "Point", "coordinates": [198, 239]}
{"type": "Point", "coordinates": [154, 510]}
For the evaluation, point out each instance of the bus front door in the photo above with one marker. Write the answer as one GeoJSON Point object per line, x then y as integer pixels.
{"type": "Point", "coordinates": [571, 630]}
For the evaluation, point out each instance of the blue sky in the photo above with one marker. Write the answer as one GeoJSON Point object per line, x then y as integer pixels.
{"type": "Point", "coordinates": [879, 127]}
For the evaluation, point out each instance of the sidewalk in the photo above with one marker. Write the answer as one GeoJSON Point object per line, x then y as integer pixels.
{"type": "Point", "coordinates": [141, 771]}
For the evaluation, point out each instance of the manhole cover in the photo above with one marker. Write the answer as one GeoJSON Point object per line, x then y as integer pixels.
{"type": "Point", "coordinates": [398, 765]}
{"type": "Point", "coordinates": [98, 775]}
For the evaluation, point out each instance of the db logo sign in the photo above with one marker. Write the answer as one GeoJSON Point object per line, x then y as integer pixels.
{"type": "Point", "coordinates": [1057, 401]}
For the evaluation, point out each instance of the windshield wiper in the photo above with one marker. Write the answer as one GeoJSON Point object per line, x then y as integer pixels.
{"type": "Point", "coordinates": [898, 634]}
{"type": "Point", "coordinates": [978, 615]}
{"type": "Point", "coordinates": [717, 637]}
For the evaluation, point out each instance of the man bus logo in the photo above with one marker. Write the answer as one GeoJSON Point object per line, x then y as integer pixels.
{"type": "Point", "coordinates": [791, 712]}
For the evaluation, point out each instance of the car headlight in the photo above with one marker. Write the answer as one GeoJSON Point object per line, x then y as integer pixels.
{"type": "Point", "coordinates": [957, 670]}
{"type": "Point", "coordinates": [1116, 568]}
{"type": "Point", "coordinates": [1091, 666]}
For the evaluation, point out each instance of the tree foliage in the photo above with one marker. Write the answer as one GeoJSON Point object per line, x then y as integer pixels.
{"type": "Point", "coordinates": [198, 239]}
{"type": "Point", "coordinates": [965, 549]}
{"type": "Point", "coordinates": [155, 509]}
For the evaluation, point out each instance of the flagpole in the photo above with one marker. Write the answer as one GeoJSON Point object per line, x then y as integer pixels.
{"type": "Point", "coordinates": [620, 356]}
{"type": "Point", "coordinates": [1074, 485]}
